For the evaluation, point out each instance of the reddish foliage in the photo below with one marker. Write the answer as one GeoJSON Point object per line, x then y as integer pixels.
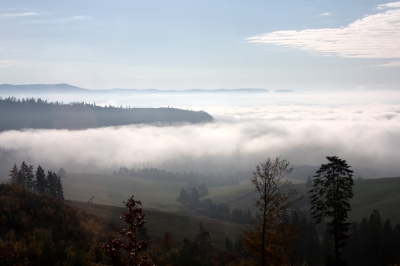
{"type": "Point", "coordinates": [135, 219]}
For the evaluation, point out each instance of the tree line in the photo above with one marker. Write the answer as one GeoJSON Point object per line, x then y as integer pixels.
{"type": "Point", "coordinates": [32, 113]}
{"type": "Point", "coordinates": [37, 182]}
{"type": "Point", "coordinates": [206, 207]}
{"type": "Point", "coordinates": [192, 179]}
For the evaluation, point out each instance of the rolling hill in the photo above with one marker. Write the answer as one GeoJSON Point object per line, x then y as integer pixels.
{"type": "Point", "coordinates": [39, 114]}
{"type": "Point", "coordinates": [369, 194]}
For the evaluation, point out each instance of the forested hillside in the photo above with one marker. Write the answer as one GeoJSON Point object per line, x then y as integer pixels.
{"type": "Point", "coordinates": [41, 230]}
{"type": "Point", "coordinates": [32, 113]}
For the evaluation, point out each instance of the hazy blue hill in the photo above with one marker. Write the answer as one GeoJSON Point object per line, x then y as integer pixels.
{"type": "Point", "coordinates": [18, 115]}
{"type": "Point", "coordinates": [8, 89]}
{"type": "Point", "coordinates": [32, 89]}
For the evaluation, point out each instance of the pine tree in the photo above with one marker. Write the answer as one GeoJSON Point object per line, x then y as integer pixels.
{"type": "Point", "coordinates": [52, 184]}
{"type": "Point", "coordinates": [183, 197]}
{"type": "Point", "coordinates": [135, 219]}
{"type": "Point", "coordinates": [22, 173]}
{"type": "Point", "coordinates": [41, 181]}
{"type": "Point", "coordinates": [332, 189]}
{"type": "Point", "coordinates": [30, 182]}
{"type": "Point", "coordinates": [59, 189]}
{"type": "Point", "coordinates": [13, 175]}
{"type": "Point", "coordinates": [203, 241]}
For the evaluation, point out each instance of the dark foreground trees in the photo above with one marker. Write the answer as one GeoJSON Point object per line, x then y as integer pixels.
{"type": "Point", "coordinates": [40, 230]}
{"type": "Point", "coordinates": [38, 182]}
{"type": "Point", "coordinates": [332, 189]}
{"type": "Point", "coordinates": [270, 236]}
{"type": "Point", "coordinates": [128, 254]}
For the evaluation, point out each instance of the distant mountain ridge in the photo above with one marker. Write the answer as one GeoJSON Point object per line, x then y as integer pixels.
{"type": "Point", "coordinates": [39, 88]}
{"type": "Point", "coordinates": [10, 90]}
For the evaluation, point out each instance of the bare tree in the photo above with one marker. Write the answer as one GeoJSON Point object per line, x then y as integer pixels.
{"type": "Point", "coordinates": [270, 236]}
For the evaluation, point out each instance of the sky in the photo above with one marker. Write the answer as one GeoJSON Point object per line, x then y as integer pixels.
{"type": "Point", "coordinates": [305, 45]}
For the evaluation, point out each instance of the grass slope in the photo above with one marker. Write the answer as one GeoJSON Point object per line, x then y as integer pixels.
{"type": "Point", "coordinates": [381, 194]}
{"type": "Point", "coordinates": [112, 190]}
{"type": "Point", "coordinates": [180, 225]}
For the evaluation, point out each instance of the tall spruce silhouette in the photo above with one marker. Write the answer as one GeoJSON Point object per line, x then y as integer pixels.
{"type": "Point", "coordinates": [332, 190]}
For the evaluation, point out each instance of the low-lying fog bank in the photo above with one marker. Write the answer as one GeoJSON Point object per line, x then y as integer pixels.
{"type": "Point", "coordinates": [367, 136]}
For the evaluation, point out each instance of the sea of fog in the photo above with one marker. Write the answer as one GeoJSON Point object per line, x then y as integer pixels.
{"type": "Point", "coordinates": [303, 128]}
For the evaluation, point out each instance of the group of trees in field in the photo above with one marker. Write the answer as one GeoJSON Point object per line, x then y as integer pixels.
{"type": "Point", "coordinates": [37, 182]}
{"type": "Point", "coordinates": [206, 207]}
{"type": "Point", "coordinates": [192, 179]}
{"type": "Point", "coordinates": [194, 196]}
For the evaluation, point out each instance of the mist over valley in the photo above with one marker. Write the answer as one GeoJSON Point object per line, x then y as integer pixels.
{"type": "Point", "coordinates": [241, 135]}
{"type": "Point", "coordinates": [200, 133]}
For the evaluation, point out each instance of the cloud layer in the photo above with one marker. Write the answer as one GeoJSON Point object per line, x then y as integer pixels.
{"type": "Point", "coordinates": [364, 135]}
{"type": "Point", "coordinates": [374, 36]}
{"type": "Point", "coordinates": [12, 15]}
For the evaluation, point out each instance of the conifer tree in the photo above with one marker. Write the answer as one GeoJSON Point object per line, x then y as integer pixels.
{"type": "Point", "coordinates": [22, 173]}
{"type": "Point", "coordinates": [130, 251]}
{"type": "Point", "coordinates": [203, 241]}
{"type": "Point", "coordinates": [30, 182]}
{"type": "Point", "coordinates": [13, 175]}
{"type": "Point", "coordinates": [59, 189]}
{"type": "Point", "coordinates": [41, 181]}
{"type": "Point", "coordinates": [183, 197]}
{"type": "Point", "coordinates": [52, 184]}
{"type": "Point", "coordinates": [332, 189]}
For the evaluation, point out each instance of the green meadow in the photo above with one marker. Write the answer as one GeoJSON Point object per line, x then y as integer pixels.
{"type": "Point", "coordinates": [112, 190]}
{"type": "Point", "coordinates": [379, 193]}
{"type": "Point", "coordinates": [180, 225]}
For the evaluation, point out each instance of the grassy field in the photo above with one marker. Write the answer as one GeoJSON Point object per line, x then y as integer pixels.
{"type": "Point", "coordinates": [382, 194]}
{"type": "Point", "coordinates": [165, 214]}
{"type": "Point", "coordinates": [112, 190]}
{"type": "Point", "coordinates": [180, 225]}
{"type": "Point", "coordinates": [369, 194]}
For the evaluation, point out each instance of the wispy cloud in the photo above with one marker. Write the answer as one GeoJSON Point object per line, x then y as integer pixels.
{"type": "Point", "coordinates": [4, 64]}
{"type": "Point", "coordinates": [325, 14]}
{"type": "Point", "coordinates": [374, 36]}
{"type": "Point", "coordinates": [59, 20]}
{"type": "Point", "coordinates": [391, 64]}
{"type": "Point", "coordinates": [10, 15]}
{"type": "Point", "coordinates": [388, 5]}
{"type": "Point", "coordinates": [79, 18]}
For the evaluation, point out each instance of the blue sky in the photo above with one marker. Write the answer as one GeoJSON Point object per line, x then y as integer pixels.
{"type": "Point", "coordinates": [297, 45]}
